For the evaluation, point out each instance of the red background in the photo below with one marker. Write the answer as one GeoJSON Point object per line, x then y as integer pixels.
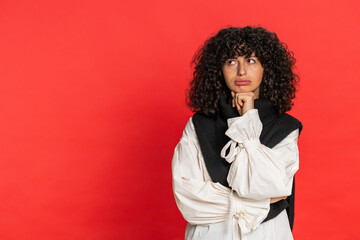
{"type": "Point", "coordinates": [92, 106]}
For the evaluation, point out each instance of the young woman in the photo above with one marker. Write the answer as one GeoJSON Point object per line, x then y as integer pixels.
{"type": "Point", "coordinates": [233, 169]}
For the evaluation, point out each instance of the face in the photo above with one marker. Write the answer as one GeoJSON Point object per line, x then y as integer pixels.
{"type": "Point", "coordinates": [243, 74]}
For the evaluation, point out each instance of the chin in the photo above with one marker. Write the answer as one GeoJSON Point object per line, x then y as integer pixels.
{"type": "Point", "coordinates": [241, 89]}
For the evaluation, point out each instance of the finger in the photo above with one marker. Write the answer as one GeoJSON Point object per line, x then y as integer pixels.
{"type": "Point", "coordinates": [276, 199]}
{"type": "Point", "coordinates": [246, 94]}
{"type": "Point", "coordinates": [239, 100]}
{"type": "Point", "coordinates": [235, 102]}
{"type": "Point", "coordinates": [232, 101]}
{"type": "Point", "coordinates": [244, 97]}
{"type": "Point", "coordinates": [237, 105]}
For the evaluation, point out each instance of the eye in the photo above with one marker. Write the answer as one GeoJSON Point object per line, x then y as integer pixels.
{"type": "Point", "coordinates": [251, 60]}
{"type": "Point", "coordinates": [231, 62]}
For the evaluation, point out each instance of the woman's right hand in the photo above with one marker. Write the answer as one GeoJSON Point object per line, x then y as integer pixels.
{"type": "Point", "coordinates": [243, 101]}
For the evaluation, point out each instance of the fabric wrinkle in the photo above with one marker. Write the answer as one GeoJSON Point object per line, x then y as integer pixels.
{"type": "Point", "coordinates": [204, 202]}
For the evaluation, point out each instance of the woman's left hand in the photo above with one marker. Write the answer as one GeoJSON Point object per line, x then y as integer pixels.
{"type": "Point", "coordinates": [276, 199]}
{"type": "Point", "coordinates": [243, 101]}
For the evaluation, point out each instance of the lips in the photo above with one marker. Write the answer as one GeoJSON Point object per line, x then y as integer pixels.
{"type": "Point", "coordinates": [242, 82]}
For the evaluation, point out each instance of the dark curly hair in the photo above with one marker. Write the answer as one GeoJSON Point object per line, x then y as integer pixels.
{"type": "Point", "coordinates": [279, 81]}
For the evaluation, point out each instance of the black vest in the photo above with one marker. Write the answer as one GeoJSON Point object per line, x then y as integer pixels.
{"type": "Point", "coordinates": [212, 138]}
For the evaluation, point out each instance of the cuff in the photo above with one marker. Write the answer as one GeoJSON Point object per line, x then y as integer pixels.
{"type": "Point", "coordinates": [245, 128]}
{"type": "Point", "coordinates": [249, 214]}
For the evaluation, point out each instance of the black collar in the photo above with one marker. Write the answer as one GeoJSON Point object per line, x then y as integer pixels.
{"type": "Point", "coordinates": [264, 106]}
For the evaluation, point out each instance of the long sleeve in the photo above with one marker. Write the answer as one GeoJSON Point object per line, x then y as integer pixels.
{"type": "Point", "coordinates": [202, 201]}
{"type": "Point", "coordinates": [259, 172]}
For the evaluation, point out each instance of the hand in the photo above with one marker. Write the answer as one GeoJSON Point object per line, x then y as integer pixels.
{"type": "Point", "coordinates": [274, 200]}
{"type": "Point", "coordinates": [243, 101]}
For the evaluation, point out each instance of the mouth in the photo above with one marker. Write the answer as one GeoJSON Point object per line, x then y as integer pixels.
{"type": "Point", "coordinates": [242, 82]}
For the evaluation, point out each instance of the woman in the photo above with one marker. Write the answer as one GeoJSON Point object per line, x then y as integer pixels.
{"type": "Point", "coordinates": [233, 169]}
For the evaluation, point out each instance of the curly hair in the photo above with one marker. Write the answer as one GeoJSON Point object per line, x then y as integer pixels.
{"type": "Point", "coordinates": [279, 81]}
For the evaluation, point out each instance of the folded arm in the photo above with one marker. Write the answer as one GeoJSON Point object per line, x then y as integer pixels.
{"type": "Point", "coordinates": [202, 201]}
{"type": "Point", "coordinates": [256, 171]}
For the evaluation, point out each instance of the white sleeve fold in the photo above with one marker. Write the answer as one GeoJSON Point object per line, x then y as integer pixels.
{"type": "Point", "coordinates": [202, 201]}
{"type": "Point", "coordinates": [259, 172]}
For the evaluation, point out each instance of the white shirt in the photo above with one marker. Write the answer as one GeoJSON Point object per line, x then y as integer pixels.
{"type": "Point", "coordinates": [257, 173]}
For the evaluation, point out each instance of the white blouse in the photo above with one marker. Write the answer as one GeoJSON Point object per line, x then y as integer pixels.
{"type": "Point", "coordinates": [257, 173]}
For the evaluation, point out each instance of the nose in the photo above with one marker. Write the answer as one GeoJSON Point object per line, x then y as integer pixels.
{"type": "Point", "coordinates": [241, 69]}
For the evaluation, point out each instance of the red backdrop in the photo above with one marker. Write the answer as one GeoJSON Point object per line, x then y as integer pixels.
{"type": "Point", "coordinates": [92, 106]}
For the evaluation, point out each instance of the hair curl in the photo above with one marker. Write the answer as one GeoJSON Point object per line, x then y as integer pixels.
{"type": "Point", "coordinates": [279, 81]}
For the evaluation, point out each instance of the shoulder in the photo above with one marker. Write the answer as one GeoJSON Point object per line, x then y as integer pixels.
{"type": "Point", "coordinates": [200, 118]}
{"type": "Point", "coordinates": [290, 122]}
{"type": "Point", "coordinates": [203, 124]}
{"type": "Point", "coordinates": [199, 126]}
{"type": "Point", "coordinates": [282, 127]}
{"type": "Point", "coordinates": [189, 130]}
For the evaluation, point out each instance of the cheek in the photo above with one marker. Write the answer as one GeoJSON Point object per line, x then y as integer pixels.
{"type": "Point", "coordinates": [226, 76]}
{"type": "Point", "coordinates": [227, 81]}
{"type": "Point", "coordinates": [260, 74]}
